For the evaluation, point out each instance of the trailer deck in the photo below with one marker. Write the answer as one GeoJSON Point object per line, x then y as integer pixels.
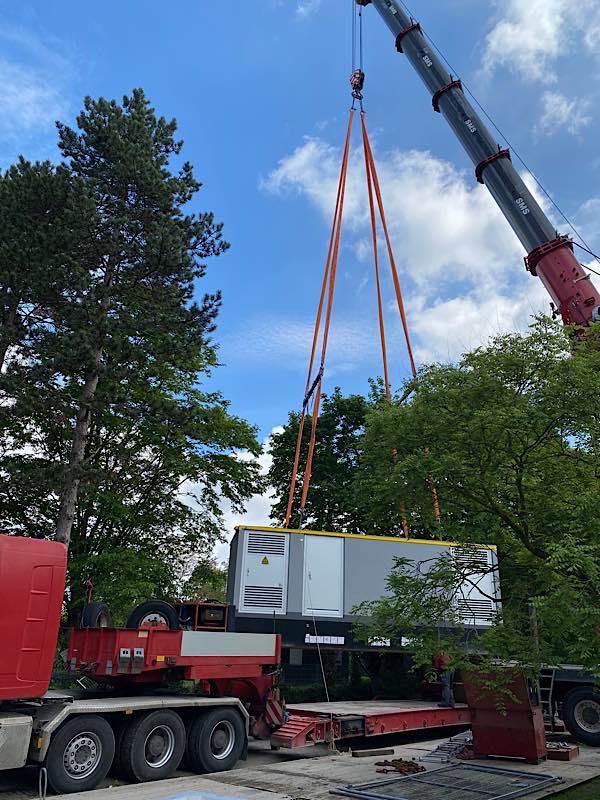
{"type": "Point", "coordinates": [314, 723]}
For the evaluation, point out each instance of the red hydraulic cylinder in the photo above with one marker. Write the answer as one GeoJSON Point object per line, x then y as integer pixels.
{"type": "Point", "coordinates": [566, 280]}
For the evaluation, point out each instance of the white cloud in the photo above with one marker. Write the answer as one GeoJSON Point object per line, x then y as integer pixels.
{"type": "Point", "coordinates": [558, 111]}
{"type": "Point", "coordinates": [445, 227]}
{"type": "Point", "coordinates": [530, 35]}
{"type": "Point", "coordinates": [258, 507]}
{"type": "Point", "coordinates": [27, 99]}
{"type": "Point", "coordinates": [33, 78]}
{"type": "Point", "coordinates": [306, 8]}
{"type": "Point", "coordinates": [449, 327]}
{"type": "Point", "coordinates": [284, 341]}
{"type": "Point", "coordinates": [462, 267]}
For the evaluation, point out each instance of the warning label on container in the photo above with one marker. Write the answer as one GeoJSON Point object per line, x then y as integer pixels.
{"type": "Point", "coordinates": [265, 561]}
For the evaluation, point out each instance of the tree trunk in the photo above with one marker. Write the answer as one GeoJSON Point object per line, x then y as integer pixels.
{"type": "Point", "coordinates": [70, 488]}
{"type": "Point", "coordinates": [8, 324]}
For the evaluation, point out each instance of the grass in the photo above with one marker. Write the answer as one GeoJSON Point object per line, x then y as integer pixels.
{"type": "Point", "coordinates": [589, 791]}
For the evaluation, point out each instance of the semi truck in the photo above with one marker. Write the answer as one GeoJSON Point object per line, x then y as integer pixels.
{"type": "Point", "coordinates": [130, 722]}
{"type": "Point", "coordinates": [127, 720]}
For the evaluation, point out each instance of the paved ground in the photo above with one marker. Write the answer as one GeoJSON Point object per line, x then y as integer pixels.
{"type": "Point", "coordinates": [302, 775]}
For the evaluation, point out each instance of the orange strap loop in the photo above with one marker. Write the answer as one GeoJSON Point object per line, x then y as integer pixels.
{"type": "Point", "coordinates": [329, 277]}
{"type": "Point", "coordinates": [314, 385]}
{"type": "Point", "coordinates": [371, 168]}
{"type": "Point", "coordinates": [372, 177]}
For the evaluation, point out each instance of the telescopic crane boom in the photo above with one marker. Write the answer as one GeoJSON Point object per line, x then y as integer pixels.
{"type": "Point", "coordinates": [550, 255]}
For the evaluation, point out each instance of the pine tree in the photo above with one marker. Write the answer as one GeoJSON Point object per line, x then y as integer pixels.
{"type": "Point", "coordinates": [115, 446]}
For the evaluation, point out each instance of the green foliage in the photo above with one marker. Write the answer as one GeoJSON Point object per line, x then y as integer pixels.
{"type": "Point", "coordinates": [208, 581]}
{"type": "Point", "coordinates": [315, 692]}
{"type": "Point", "coordinates": [107, 424]}
{"type": "Point", "coordinates": [510, 435]}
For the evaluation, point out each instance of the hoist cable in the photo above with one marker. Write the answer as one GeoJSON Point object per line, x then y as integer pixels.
{"type": "Point", "coordinates": [353, 12]}
{"type": "Point", "coordinates": [360, 37]}
{"type": "Point", "coordinates": [500, 132]}
{"type": "Point", "coordinates": [372, 172]}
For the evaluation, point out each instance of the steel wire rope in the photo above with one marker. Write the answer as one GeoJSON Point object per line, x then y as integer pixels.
{"type": "Point", "coordinates": [325, 684]}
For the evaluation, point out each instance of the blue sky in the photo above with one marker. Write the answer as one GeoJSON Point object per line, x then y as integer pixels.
{"type": "Point", "coordinates": [259, 89]}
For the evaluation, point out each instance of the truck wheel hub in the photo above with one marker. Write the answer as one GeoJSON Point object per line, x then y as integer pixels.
{"type": "Point", "coordinates": [587, 715]}
{"type": "Point", "coordinates": [222, 739]}
{"type": "Point", "coordinates": [82, 755]}
{"type": "Point", "coordinates": [159, 746]}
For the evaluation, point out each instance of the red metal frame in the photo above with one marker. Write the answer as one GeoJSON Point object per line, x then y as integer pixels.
{"type": "Point", "coordinates": [415, 27]}
{"type": "Point", "coordinates": [305, 727]}
{"type": "Point", "coordinates": [150, 655]}
{"type": "Point", "coordinates": [565, 280]}
{"type": "Point", "coordinates": [479, 169]}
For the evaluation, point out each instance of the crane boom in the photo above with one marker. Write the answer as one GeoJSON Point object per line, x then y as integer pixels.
{"type": "Point", "coordinates": [550, 255]}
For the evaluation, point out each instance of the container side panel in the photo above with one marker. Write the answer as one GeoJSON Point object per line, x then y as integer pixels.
{"type": "Point", "coordinates": [369, 564]}
{"type": "Point", "coordinates": [233, 570]}
{"type": "Point", "coordinates": [296, 575]}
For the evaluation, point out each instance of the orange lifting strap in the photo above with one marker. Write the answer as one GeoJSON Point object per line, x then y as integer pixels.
{"type": "Point", "coordinates": [314, 385]}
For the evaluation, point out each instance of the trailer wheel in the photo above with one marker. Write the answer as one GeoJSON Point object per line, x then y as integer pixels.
{"type": "Point", "coordinates": [581, 714]}
{"type": "Point", "coordinates": [80, 754]}
{"type": "Point", "coordinates": [216, 741]}
{"type": "Point", "coordinates": [96, 615]}
{"type": "Point", "coordinates": [154, 614]}
{"type": "Point", "coordinates": [152, 746]}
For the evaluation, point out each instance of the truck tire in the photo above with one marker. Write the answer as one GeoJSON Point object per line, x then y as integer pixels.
{"type": "Point", "coordinates": [581, 714]}
{"type": "Point", "coordinates": [96, 615]}
{"type": "Point", "coordinates": [80, 754]}
{"type": "Point", "coordinates": [216, 741]}
{"type": "Point", "coordinates": [152, 746]}
{"type": "Point", "coordinates": [154, 614]}
{"type": "Point", "coordinates": [119, 727]}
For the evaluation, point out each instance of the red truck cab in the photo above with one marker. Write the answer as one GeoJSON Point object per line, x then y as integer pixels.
{"type": "Point", "coordinates": [32, 583]}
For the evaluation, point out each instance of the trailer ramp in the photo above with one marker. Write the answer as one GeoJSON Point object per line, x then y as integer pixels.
{"type": "Point", "coordinates": [456, 782]}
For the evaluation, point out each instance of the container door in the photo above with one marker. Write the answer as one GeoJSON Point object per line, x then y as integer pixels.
{"type": "Point", "coordinates": [323, 594]}
{"type": "Point", "coordinates": [263, 587]}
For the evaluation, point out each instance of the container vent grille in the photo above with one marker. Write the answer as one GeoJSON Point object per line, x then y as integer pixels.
{"type": "Point", "coordinates": [474, 560]}
{"type": "Point", "coordinates": [266, 544]}
{"type": "Point", "coordinates": [263, 597]}
{"type": "Point", "coordinates": [473, 610]}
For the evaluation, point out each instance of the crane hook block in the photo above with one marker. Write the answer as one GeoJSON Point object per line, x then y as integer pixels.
{"type": "Point", "coordinates": [362, 2]}
{"type": "Point", "coordinates": [357, 82]}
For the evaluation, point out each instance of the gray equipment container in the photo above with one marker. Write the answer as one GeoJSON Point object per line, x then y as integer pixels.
{"type": "Point", "coordinates": [284, 580]}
